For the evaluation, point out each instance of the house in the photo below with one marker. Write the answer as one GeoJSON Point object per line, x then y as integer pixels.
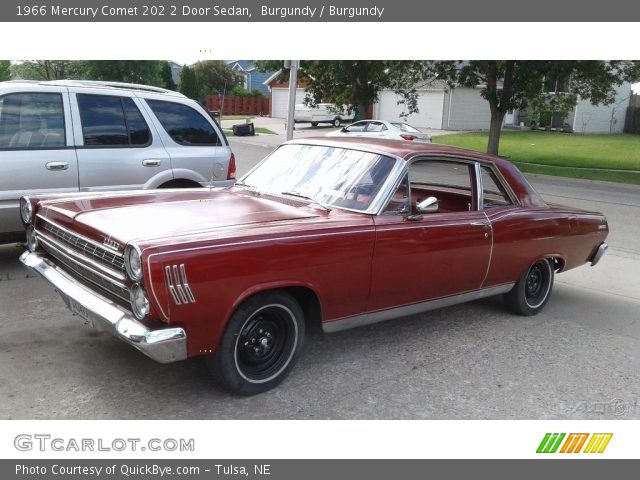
{"type": "Point", "coordinates": [252, 79]}
{"type": "Point", "coordinates": [176, 71]}
{"type": "Point", "coordinates": [279, 92]}
{"type": "Point", "coordinates": [464, 108]}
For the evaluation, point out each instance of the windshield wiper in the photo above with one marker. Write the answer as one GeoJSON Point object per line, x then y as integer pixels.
{"type": "Point", "coordinates": [293, 193]}
{"type": "Point", "coordinates": [247, 185]}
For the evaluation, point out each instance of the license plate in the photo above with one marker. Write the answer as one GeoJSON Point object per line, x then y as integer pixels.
{"type": "Point", "coordinates": [81, 311]}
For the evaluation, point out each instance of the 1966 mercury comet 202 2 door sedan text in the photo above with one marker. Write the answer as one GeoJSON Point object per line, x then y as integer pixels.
{"type": "Point", "coordinates": [345, 232]}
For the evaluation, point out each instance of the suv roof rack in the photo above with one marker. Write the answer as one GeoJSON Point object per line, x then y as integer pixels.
{"type": "Point", "coordinates": [114, 85]}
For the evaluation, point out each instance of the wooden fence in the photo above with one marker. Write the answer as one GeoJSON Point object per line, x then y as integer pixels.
{"type": "Point", "coordinates": [230, 105]}
{"type": "Point", "coordinates": [632, 120]}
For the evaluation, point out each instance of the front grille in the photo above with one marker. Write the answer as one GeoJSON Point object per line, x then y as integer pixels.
{"type": "Point", "coordinates": [85, 259]}
{"type": "Point", "coordinates": [90, 250]}
{"type": "Point", "coordinates": [119, 291]}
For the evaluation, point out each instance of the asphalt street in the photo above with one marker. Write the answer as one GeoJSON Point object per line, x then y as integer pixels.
{"type": "Point", "coordinates": [578, 359]}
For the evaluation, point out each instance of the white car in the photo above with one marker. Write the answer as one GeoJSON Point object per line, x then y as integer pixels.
{"type": "Point", "coordinates": [382, 129]}
{"type": "Point", "coordinates": [322, 113]}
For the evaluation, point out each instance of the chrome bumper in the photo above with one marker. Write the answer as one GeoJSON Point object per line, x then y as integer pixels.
{"type": "Point", "coordinates": [599, 253]}
{"type": "Point", "coordinates": [163, 345]}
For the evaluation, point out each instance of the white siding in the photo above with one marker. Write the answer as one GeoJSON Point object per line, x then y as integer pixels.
{"type": "Point", "coordinates": [280, 101]}
{"type": "Point", "coordinates": [430, 107]}
{"type": "Point", "coordinates": [588, 118]}
{"type": "Point", "coordinates": [467, 111]}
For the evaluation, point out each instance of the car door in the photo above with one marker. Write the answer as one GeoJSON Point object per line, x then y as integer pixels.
{"type": "Point", "coordinates": [197, 148]}
{"type": "Point", "coordinates": [36, 148]}
{"type": "Point", "coordinates": [117, 145]}
{"type": "Point", "coordinates": [421, 257]}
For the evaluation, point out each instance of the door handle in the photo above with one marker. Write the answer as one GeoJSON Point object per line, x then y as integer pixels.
{"type": "Point", "coordinates": [57, 166]}
{"type": "Point", "coordinates": [481, 224]}
{"type": "Point", "coordinates": [152, 162]}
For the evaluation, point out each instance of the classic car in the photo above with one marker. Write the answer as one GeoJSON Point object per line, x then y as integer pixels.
{"type": "Point", "coordinates": [344, 232]}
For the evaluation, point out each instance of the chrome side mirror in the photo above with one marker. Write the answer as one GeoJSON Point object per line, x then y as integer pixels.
{"type": "Point", "coordinates": [428, 205]}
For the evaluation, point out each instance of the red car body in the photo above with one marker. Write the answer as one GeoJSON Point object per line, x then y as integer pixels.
{"type": "Point", "coordinates": [205, 252]}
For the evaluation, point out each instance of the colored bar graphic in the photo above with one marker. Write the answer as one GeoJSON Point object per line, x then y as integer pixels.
{"type": "Point", "coordinates": [575, 441]}
{"type": "Point", "coordinates": [550, 442]}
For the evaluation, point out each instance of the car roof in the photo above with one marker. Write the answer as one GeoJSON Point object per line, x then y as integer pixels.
{"type": "Point", "coordinates": [399, 148]}
{"type": "Point", "coordinates": [99, 84]}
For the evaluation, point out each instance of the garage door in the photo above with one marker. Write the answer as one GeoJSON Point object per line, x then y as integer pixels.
{"type": "Point", "coordinates": [430, 105]}
{"type": "Point", "coordinates": [280, 101]}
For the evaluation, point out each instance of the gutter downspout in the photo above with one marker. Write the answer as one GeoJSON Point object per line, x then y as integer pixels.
{"type": "Point", "coordinates": [449, 110]}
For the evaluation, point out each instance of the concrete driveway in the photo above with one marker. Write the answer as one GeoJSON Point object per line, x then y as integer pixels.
{"type": "Point", "coordinates": [578, 359]}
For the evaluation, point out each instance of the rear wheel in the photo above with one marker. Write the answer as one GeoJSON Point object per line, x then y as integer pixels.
{"type": "Point", "coordinates": [314, 124]}
{"type": "Point", "coordinates": [336, 122]}
{"type": "Point", "coordinates": [260, 344]}
{"type": "Point", "coordinates": [531, 293]}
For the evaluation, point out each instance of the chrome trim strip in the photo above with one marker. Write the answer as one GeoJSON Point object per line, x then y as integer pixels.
{"type": "Point", "coordinates": [479, 187]}
{"type": "Point", "coordinates": [405, 310]}
{"type": "Point", "coordinates": [178, 284]}
{"type": "Point", "coordinates": [163, 345]}
{"type": "Point", "coordinates": [80, 258]}
{"type": "Point", "coordinates": [171, 285]}
{"type": "Point", "coordinates": [602, 248]}
{"type": "Point", "coordinates": [185, 283]}
{"type": "Point", "coordinates": [179, 288]}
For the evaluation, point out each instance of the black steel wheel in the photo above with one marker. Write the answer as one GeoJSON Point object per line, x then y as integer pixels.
{"type": "Point", "coordinates": [260, 344]}
{"type": "Point", "coordinates": [531, 293]}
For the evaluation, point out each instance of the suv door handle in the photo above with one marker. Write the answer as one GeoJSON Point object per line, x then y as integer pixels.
{"type": "Point", "coordinates": [152, 162]}
{"type": "Point", "coordinates": [57, 166]}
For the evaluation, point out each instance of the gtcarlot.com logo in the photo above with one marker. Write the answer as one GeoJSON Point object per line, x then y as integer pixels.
{"type": "Point", "coordinates": [574, 443]}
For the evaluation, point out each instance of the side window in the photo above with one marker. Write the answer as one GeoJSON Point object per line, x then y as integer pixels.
{"type": "Point", "coordinates": [448, 181]}
{"type": "Point", "coordinates": [184, 124]}
{"type": "Point", "coordinates": [493, 193]}
{"type": "Point", "coordinates": [356, 127]}
{"type": "Point", "coordinates": [376, 127]}
{"type": "Point", "coordinates": [109, 121]}
{"type": "Point", "coordinates": [32, 120]}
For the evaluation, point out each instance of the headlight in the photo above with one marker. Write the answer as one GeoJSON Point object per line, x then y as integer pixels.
{"type": "Point", "coordinates": [139, 301]}
{"type": "Point", "coordinates": [26, 210]}
{"type": "Point", "coordinates": [133, 262]}
{"type": "Point", "coordinates": [32, 240]}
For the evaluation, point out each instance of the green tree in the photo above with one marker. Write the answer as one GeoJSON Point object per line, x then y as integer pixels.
{"type": "Point", "coordinates": [357, 83]}
{"type": "Point", "coordinates": [189, 83]}
{"type": "Point", "coordinates": [516, 84]}
{"type": "Point", "coordinates": [214, 76]}
{"type": "Point", "coordinates": [44, 69]}
{"type": "Point", "coordinates": [5, 70]}
{"type": "Point", "coordinates": [166, 76]}
{"type": "Point", "coordinates": [147, 72]}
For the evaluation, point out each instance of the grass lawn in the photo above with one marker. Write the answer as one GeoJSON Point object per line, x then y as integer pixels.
{"type": "Point", "coordinates": [596, 157]}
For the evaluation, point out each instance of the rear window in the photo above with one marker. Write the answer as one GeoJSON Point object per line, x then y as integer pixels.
{"type": "Point", "coordinates": [110, 121]}
{"type": "Point", "coordinates": [184, 124]}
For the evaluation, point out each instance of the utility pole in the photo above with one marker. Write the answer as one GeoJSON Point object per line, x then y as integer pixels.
{"type": "Point", "coordinates": [293, 85]}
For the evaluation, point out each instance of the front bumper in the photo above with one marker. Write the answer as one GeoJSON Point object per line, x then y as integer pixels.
{"type": "Point", "coordinates": [602, 248]}
{"type": "Point", "coordinates": [163, 345]}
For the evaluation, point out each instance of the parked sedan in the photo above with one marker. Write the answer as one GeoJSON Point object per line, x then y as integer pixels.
{"type": "Point", "coordinates": [342, 232]}
{"type": "Point", "coordinates": [382, 129]}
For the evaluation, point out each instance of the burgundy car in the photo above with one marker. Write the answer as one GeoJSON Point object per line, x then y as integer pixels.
{"type": "Point", "coordinates": [344, 232]}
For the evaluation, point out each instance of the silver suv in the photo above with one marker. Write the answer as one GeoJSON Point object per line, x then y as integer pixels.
{"type": "Point", "coordinates": [69, 136]}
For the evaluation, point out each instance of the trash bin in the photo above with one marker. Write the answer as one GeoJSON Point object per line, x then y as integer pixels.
{"type": "Point", "coordinates": [244, 130]}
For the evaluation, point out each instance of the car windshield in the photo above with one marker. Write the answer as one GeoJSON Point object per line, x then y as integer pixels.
{"type": "Point", "coordinates": [330, 176]}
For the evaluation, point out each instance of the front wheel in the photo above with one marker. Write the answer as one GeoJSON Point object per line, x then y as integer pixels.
{"type": "Point", "coordinates": [260, 344]}
{"type": "Point", "coordinates": [529, 296]}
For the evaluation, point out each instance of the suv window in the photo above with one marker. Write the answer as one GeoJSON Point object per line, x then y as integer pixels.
{"type": "Point", "coordinates": [111, 121]}
{"type": "Point", "coordinates": [184, 124]}
{"type": "Point", "coordinates": [32, 120]}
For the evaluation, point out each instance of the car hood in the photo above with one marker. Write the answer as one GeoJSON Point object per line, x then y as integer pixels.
{"type": "Point", "coordinates": [167, 214]}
